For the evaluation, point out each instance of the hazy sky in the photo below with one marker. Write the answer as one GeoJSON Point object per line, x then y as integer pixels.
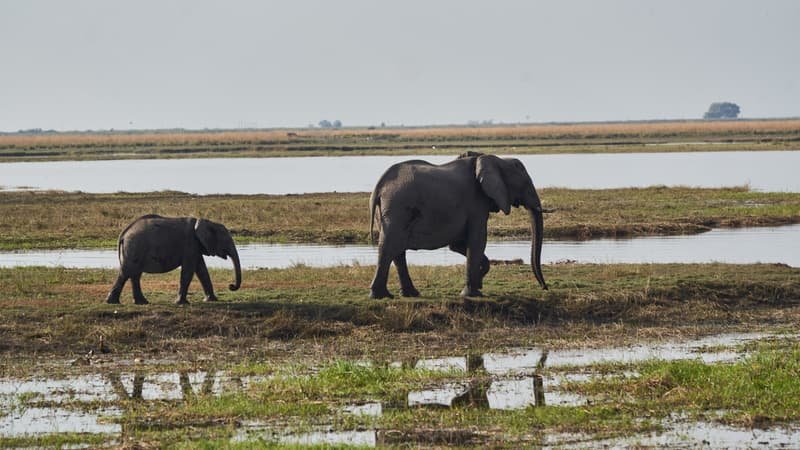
{"type": "Point", "coordinates": [194, 64]}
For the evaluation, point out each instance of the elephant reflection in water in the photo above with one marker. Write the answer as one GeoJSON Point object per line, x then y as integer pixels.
{"type": "Point", "coordinates": [137, 390]}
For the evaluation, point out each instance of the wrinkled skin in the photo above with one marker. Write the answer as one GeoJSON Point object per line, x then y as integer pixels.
{"type": "Point", "coordinates": [155, 244]}
{"type": "Point", "coordinates": [425, 206]}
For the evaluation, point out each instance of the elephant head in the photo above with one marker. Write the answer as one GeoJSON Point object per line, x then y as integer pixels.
{"type": "Point", "coordinates": [216, 240]}
{"type": "Point", "coordinates": [507, 184]}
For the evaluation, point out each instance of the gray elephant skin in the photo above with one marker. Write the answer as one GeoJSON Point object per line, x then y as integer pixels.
{"type": "Point", "coordinates": [425, 206]}
{"type": "Point", "coordinates": [155, 244]}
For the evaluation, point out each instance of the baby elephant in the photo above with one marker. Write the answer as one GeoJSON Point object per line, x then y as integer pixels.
{"type": "Point", "coordinates": [155, 244]}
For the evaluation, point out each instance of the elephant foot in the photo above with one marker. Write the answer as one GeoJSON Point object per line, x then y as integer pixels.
{"type": "Point", "coordinates": [467, 292]}
{"type": "Point", "coordinates": [410, 292]}
{"type": "Point", "coordinates": [141, 301]}
{"type": "Point", "coordinates": [210, 298]}
{"type": "Point", "coordinates": [380, 293]}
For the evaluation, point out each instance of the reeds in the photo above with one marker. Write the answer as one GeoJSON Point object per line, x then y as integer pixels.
{"type": "Point", "coordinates": [649, 130]}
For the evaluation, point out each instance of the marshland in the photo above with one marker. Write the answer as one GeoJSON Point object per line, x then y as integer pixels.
{"type": "Point", "coordinates": [633, 353]}
{"type": "Point", "coordinates": [607, 211]}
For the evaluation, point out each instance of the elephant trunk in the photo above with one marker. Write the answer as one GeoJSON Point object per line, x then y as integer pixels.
{"type": "Point", "coordinates": [537, 232]}
{"type": "Point", "coordinates": [234, 254]}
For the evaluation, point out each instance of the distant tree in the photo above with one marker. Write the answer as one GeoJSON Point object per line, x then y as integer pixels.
{"type": "Point", "coordinates": [337, 124]}
{"type": "Point", "coordinates": [325, 123]}
{"type": "Point", "coordinates": [722, 110]}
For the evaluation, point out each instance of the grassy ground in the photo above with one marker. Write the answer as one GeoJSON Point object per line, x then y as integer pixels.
{"type": "Point", "coordinates": [61, 311]}
{"type": "Point", "coordinates": [305, 329]}
{"type": "Point", "coordinates": [70, 220]}
{"type": "Point", "coordinates": [548, 138]}
{"type": "Point", "coordinates": [760, 391]}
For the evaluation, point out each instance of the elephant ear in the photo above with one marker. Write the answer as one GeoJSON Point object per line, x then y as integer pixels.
{"type": "Point", "coordinates": [487, 171]}
{"type": "Point", "coordinates": [208, 236]}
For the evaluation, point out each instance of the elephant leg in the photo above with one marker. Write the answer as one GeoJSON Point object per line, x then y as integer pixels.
{"type": "Point", "coordinates": [136, 286]}
{"type": "Point", "coordinates": [116, 290]}
{"type": "Point", "coordinates": [205, 280]}
{"type": "Point", "coordinates": [406, 286]}
{"type": "Point", "coordinates": [187, 272]}
{"type": "Point", "coordinates": [461, 248]}
{"type": "Point", "coordinates": [378, 288]}
{"type": "Point", "coordinates": [476, 247]}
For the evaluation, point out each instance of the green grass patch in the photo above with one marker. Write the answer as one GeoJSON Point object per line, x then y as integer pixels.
{"type": "Point", "coordinates": [762, 390]}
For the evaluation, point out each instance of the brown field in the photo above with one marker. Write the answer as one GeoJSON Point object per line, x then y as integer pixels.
{"type": "Point", "coordinates": [650, 130]}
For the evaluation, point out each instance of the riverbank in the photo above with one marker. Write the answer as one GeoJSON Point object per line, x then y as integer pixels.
{"type": "Point", "coordinates": [53, 220]}
{"type": "Point", "coordinates": [624, 137]}
{"type": "Point", "coordinates": [61, 311]}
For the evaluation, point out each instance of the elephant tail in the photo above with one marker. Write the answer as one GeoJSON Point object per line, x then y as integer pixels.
{"type": "Point", "coordinates": [374, 202]}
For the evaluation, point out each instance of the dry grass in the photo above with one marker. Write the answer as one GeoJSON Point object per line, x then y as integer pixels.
{"type": "Point", "coordinates": [753, 128]}
{"type": "Point", "coordinates": [61, 311]}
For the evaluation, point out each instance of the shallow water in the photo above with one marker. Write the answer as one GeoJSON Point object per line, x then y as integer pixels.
{"type": "Point", "coordinates": [39, 421]}
{"type": "Point", "coordinates": [687, 435]}
{"type": "Point", "coordinates": [512, 385]}
{"type": "Point", "coordinates": [525, 361]}
{"type": "Point", "coordinates": [738, 246]}
{"type": "Point", "coordinates": [763, 170]}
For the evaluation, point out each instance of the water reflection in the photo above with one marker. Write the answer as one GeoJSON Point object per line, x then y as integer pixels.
{"type": "Point", "coordinates": [525, 361]}
{"type": "Point", "coordinates": [735, 246]}
{"type": "Point", "coordinates": [683, 433]}
{"type": "Point", "coordinates": [516, 380]}
{"type": "Point", "coordinates": [763, 170]}
{"type": "Point", "coordinates": [39, 421]}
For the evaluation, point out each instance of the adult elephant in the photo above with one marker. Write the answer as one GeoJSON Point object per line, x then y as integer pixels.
{"type": "Point", "coordinates": [425, 206]}
{"type": "Point", "coordinates": [155, 244]}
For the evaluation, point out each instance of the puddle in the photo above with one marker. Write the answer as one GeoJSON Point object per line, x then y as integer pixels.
{"type": "Point", "coordinates": [455, 364]}
{"type": "Point", "coordinates": [522, 393]}
{"type": "Point", "coordinates": [38, 421]}
{"type": "Point", "coordinates": [366, 409]}
{"type": "Point", "coordinates": [526, 360]}
{"type": "Point", "coordinates": [445, 395]}
{"type": "Point", "coordinates": [115, 386]}
{"type": "Point", "coordinates": [687, 435]}
{"type": "Point", "coordinates": [505, 394]}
